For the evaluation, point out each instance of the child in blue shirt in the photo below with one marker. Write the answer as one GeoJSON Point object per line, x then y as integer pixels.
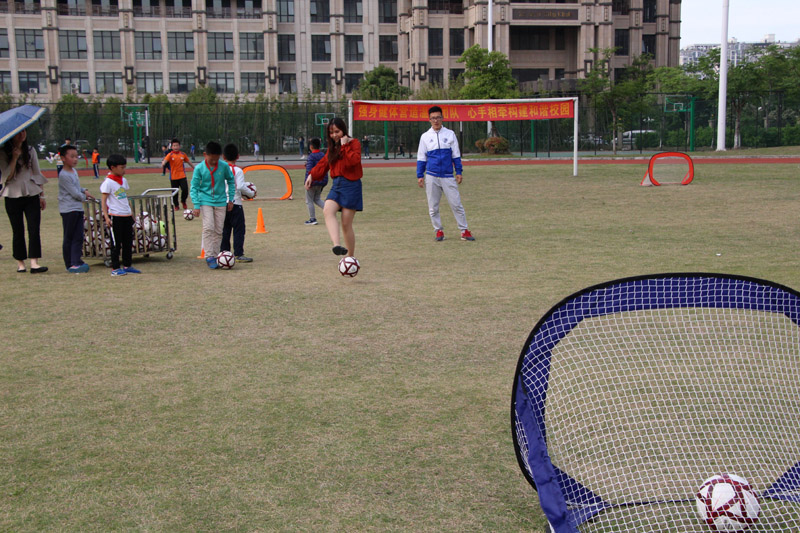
{"type": "Point", "coordinates": [70, 204]}
{"type": "Point", "coordinates": [314, 194]}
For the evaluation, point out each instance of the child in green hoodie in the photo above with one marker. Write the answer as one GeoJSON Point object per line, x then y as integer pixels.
{"type": "Point", "coordinates": [212, 191]}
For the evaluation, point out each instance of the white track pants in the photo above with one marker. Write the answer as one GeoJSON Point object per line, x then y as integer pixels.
{"type": "Point", "coordinates": [213, 221]}
{"type": "Point", "coordinates": [434, 187]}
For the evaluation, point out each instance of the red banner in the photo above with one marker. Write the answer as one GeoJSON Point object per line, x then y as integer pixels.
{"type": "Point", "coordinates": [465, 112]}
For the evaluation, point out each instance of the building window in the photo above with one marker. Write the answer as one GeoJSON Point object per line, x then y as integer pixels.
{"type": "Point", "coordinates": [72, 44]}
{"type": "Point", "coordinates": [435, 41]}
{"type": "Point", "coordinates": [180, 45]}
{"type": "Point", "coordinates": [108, 83]}
{"type": "Point", "coordinates": [560, 74]}
{"type": "Point", "coordinates": [561, 38]}
{"type": "Point", "coordinates": [387, 48]}
{"type": "Point", "coordinates": [181, 82]}
{"type": "Point", "coordinates": [249, 9]}
{"type": "Point", "coordinates": [622, 39]}
{"type": "Point", "coordinates": [650, 11]}
{"type": "Point", "coordinates": [32, 82]}
{"type": "Point", "coordinates": [387, 11]}
{"type": "Point", "coordinates": [353, 48]}
{"type": "Point", "coordinates": [455, 73]}
{"type": "Point", "coordinates": [147, 44]}
{"type": "Point", "coordinates": [436, 76]}
{"type": "Point", "coordinates": [286, 48]}
{"type": "Point", "coordinates": [620, 7]}
{"type": "Point", "coordinates": [222, 82]}
{"type": "Point", "coordinates": [320, 48]}
{"type": "Point", "coordinates": [320, 83]}
{"type": "Point", "coordinates": [447, 7]}
{"type": "Point", "coordinates": [218, 9]}
{"type": "Point", "coordinates": [320, 11]}
{"type": "Point", "coordinates": [106, 45]}
{"type": "Point", "coordinates": [5, 81]}
{"type": "Point", "coordinates": [353, 11]}
{"type": "Point", "coordinates": [287, 83]}
{"type": "Point", "coordinates": [27, 7]}
{"type": "Point", "coordinates": [530, 74]}
{"type": "Point", "coordinates": [75, 82]}
{"type": "Point", "coordinates": [179, 8]}
{"type": "Point", "coordinates": [527, 38]}
{"type": "Point", "coordinates": [146, 8]}
{"type": "Point", "coordinates": [220, 46]}
{"type": "Point", "coordinates": [456, 41]}
{"type": "Point", "coordinates": [30, 43]}
{"type": "Point", "coordinates": [351, 82]}
{"type": "Point", "coordinates": [104, 8]}
{"type": "Point", "coordinates": [4, 49]}
{"type": "Point", "coordinates": [649, 45]}
{"type": "Point", "coordinates": [71, 7]}
{"type": "Point", "coordinates": [149, 83]}
{"type": "Point", "coordinates": [251, 46]}
{"type": "Point", "coordinates": [285, 10]}
{"type": "Point", "coordinates": [253, 82]}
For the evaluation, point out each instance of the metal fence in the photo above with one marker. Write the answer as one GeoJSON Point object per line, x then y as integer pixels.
{"type": "Point", "coordinates": [278, 126]}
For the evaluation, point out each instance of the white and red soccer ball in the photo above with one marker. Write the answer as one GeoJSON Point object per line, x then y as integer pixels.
{"type": "Point", "coordinates": [225, 260]}
{"type": "Point", "coordinates": [726, 502]}
{"type": "Point", "coordinates": [188, 214]}
{"type": "Point", "coordinates": [349, 266]}
{"type": "Point", "coordinates": [249, 190]}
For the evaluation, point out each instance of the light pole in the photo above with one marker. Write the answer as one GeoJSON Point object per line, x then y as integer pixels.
{"type": "Point", "coordinates": [723, 81]}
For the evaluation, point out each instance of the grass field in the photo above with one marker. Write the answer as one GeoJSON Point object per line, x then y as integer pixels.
{"type": "Point", "coordinates": [281, 396]}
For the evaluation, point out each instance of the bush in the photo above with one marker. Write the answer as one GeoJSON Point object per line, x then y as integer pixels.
{"type": "Point", "coordinates": [496, 145]}
{"type": "Point", "coordinates": [479, 144]}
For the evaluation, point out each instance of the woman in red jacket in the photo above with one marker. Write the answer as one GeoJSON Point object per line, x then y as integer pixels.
{"type": "Point", "coordinates": [343, 161]}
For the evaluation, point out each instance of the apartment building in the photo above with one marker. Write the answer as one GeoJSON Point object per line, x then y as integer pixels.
{"type": "Point", "coordinates": [99, 47]}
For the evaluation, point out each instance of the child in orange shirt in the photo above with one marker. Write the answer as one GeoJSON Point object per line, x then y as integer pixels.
{"type": "Point", "coordinates": [96, 163]}
{"type": "Point", "coordinates": [177, 174]}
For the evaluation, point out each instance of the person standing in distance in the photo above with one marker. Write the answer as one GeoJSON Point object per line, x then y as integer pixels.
{"type": "Point", "coordinates": [437, 157]}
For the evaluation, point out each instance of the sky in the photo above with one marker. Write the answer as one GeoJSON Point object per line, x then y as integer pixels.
{"type": "Point", "coordinates": [748, 20]}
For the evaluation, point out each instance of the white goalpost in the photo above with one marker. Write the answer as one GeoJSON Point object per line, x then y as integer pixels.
{"type": "Point", "coordinates": [472, 111]}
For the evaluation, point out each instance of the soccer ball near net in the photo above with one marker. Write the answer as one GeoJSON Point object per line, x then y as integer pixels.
{"type": "Point", "coordinates": [226, 260]}
{"type": "Point", "coordinates": [188, 214]}
{"type": "Point", "coordinates": [249, 191]}
{"type": "Point", "coordinates": [349, 266]}
{"type": "Point", "coordinates": [726, 502]}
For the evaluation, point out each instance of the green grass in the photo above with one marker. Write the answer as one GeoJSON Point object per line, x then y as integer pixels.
{"type": "Point", "coordinates": [281, 396]}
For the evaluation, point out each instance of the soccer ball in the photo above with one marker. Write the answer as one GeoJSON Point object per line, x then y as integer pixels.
{"type": "Point", "coordinates": [188, 214]}
{"type": "Point", "coordinates": [249, 191]}
{"type": "Point", "coordinates": [226, 260]}
{"type": "Point", "coordinates": [349, 266]}
{"type": "Point", "coordinates": [726, 502]}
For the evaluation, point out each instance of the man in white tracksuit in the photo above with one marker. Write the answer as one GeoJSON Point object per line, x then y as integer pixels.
{"type": "Point", "coordinates": [437, 156]}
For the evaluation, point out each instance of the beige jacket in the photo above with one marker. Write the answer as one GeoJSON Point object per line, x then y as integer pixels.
{"type": "Point", "coordinates": [26, 182]}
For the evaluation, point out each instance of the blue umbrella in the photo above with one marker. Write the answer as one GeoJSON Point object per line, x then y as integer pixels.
{"type": "Point", "coordinates": [15, 120]}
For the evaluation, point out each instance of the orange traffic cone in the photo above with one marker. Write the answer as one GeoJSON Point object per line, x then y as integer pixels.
{"type": "Point", "coordinates": [260, 223]}
{"type": "Point", "coordinates": [202, 254]}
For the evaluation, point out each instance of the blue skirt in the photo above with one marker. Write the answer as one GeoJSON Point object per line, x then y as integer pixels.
{"type": "Point", "coordinates": [346, 193]}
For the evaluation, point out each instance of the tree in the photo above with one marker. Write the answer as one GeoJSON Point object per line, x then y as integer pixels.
{"type": "Point", "coordinates": [381, 83]}
{"type": "Point", "coordinates": [487, 75]}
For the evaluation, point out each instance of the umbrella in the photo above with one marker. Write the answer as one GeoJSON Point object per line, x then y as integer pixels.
{"type": "Point", "coordinates": [15, 120]}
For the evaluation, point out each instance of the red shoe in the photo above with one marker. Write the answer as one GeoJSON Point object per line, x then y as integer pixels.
{"type": "Point", "coordinates": [184, 206]}
{"type": "Point", "coordinates": [439, 235]}
{"type": "Point", "coordinates": [467, 236]}
{"type": "Point", "coordinates": [175, 208]}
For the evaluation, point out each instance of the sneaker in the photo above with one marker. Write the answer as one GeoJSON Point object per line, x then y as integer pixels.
{"type": "Point", "coordinates": [439, 235]}
{"type": "Point", "coordinates": [184, 206]}
{"type": "Point", "coordinates": [212, 262]}
{"type": "Point", "coordinates": [244, 259]}
{"type": "Point", "coordinates": [339, 250]}
{"type": "Point", "coordinates": [467, 236]}
{"type": "Point", "coordinates": [131, 270]}
{"type": "Point", "coordinates": [118, 272]}
{"type": "Point", "coordinates": [83, 267]}
{"type": "Point", "coordinates": [311, 222]}
{"type": "Point", "coordinates": [73, 270]}
{"type": "Point", "coordinates": [176, 208]}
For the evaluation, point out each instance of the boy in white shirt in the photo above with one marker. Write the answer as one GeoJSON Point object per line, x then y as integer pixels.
{"type": "Point", "coordinates": [118, 215]}
{"type": "Point", "coordinates": [234, 219]}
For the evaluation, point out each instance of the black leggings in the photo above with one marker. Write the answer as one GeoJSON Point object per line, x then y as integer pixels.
{"type": "Point", "coordinates": [183, 184]}
{"type": "Point", "coordinates": [20, 210]}
{"type": "Point", "coordinates": [122, 227]}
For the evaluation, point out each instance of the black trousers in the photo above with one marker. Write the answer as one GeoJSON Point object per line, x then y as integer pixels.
{"type": "Point", "coordinates": [183, 184]}
{"type": "Point", "coordinates": [19, 211]}
{"type": "Point", "coordinates": [72, 247]}
{"type": "Point", "coordinates": [234, 220]}
{"type": "Point", "coordinates": [122, 228]}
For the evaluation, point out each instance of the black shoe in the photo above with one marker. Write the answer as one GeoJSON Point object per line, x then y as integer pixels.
{"type": "Point", "coordinates": [38, 270]}
{"type": "Point", "coordinates": [339, 250]}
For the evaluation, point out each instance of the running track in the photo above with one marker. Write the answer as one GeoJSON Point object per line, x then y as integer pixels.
{"type": "Point", "coordinates": [732, 160]}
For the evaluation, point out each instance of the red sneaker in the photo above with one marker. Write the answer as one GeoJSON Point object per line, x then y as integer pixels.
{"type": "Point", "coordinates": [184, 206]}
{"type": "Point", "coordinates": [439, 235]}
{"type": "Point", "coordinates": [467, 236]}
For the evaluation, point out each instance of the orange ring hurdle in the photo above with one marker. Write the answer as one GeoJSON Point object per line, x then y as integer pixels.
{"type": "Point", "coordinates": [280, 169]}
{"type": "Point", "coordinates": [650, 180]}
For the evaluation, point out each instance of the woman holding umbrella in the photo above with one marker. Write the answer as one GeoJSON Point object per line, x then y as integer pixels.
{"type": "Point", "coordinates": [24, 198]}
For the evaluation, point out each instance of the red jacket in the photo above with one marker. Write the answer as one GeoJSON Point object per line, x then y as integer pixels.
{"type": "Point", "coordinates": [348, 166]}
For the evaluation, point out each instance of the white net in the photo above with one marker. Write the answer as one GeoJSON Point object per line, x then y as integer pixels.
{"type": "Point", "coordinates": [643, 389]}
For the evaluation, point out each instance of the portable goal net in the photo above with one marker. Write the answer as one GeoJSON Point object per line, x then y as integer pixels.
{"type": "Point", "coordinates": [628, 395]}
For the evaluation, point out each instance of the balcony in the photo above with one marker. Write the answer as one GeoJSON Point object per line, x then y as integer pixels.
{"type": "Point", "coordinates": [219, 13]}
{"type": "Point", "coordinates": [178, 12]}
{"type": "Point", "coordinates": [243, 13]}
{"type": "Point", "coordinates": [147, 11]}
{"type": "Point", "coordinates": [105, 11]}
{"type": "Point", "coordinates": [22, 8]}
{"type": "Point", "coordinates": [72, 11]}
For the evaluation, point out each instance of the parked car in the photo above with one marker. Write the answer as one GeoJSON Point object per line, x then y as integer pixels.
{"type": "Point", "coordinates": [290, 143]}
